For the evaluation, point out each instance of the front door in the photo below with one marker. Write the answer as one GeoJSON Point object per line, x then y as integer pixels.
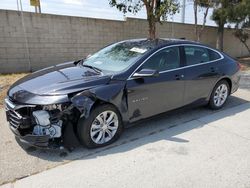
{"type": "Point", "coordinates": [148, 96]}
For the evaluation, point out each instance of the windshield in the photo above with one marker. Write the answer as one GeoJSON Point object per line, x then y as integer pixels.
{"type": "Point", "coordinates": [116, 57]}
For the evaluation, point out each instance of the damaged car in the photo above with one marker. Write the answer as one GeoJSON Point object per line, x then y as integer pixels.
{"type": "Point", "coordinates": [91, 100]}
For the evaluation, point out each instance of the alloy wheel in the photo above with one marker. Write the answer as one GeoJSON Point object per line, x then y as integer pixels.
{"type": "Point", "coordinates": [220, 95]}
{"type": "Point", "coordinates": [104, 127]}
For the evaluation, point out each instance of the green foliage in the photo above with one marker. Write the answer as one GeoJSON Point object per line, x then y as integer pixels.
{"type": "Point", "coordinates": [157, 10]}
{"type": "Point", "coordinates": [204, 3]}
{"type": "Point", "coordinates": [165, 8]}
{"type": "Point", "coordinates": [221, 11]}
{"type": "Point", "coordinates": [231, 11]}
{"type": "Point", "coordinates": [227, 11]}
{"type": "Point", "coordinates": [125, 6]}
{"type": "Point", "coordinates": [240, 14]}
{"type": "Point", "coordinates": [160, 10]}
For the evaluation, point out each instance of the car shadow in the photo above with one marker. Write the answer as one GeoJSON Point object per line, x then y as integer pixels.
{"type": "Point", "coordinates": [147, 131]}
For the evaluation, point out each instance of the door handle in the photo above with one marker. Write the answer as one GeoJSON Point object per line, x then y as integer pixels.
{"type": "Point", "coordinates": [178, 77]}
{"type": "Point", "coordinates": [212, 69]}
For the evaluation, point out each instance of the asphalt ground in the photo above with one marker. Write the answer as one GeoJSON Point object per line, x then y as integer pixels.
{"type": "Point", "coordinates": [211, 151]}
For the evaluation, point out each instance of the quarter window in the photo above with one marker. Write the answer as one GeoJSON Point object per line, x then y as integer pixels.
{"type": "Point", "coordinates": [196, 55]}
{"type": "Point", "coordinates": [163, 60]}
{"type": "Point", "coordinates": [213, 55]}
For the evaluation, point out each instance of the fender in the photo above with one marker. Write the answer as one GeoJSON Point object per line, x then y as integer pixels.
{"type": "Point", "coordinates": [114, 93]}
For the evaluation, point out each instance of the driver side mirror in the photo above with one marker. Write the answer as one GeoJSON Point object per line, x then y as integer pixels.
{"type": "Point", "coordinates": [146, 73]}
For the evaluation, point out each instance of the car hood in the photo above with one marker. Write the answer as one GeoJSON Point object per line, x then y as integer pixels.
{"type": "Point", "coordinates": [62, 79]}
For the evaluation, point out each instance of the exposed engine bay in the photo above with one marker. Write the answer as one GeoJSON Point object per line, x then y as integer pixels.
{"type": "Point", "coordinates": [45, 126]}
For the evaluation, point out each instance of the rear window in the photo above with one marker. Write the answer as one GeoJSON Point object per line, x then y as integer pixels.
{"type": "Point", "coordinates": [196, 55]}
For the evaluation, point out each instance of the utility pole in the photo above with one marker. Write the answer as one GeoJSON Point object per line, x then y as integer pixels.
{"type": "Point", "coordinates": [183, 11]}
{"type": "Point", "coordinates": [17, 4]}
{"type": "Point", "coordinates": [25, 37]}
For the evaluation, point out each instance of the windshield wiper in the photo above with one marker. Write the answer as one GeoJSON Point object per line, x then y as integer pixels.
{"type": "Point", "coordinates": [91, 67]}
{"type": "Point", "coordinates": [81, 63]}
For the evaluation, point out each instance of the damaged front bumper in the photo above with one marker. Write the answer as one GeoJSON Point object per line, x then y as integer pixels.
{"type": "Point", "coordinates": [32, 140]}
{"type": "Point", "coordinates": [22, 124]}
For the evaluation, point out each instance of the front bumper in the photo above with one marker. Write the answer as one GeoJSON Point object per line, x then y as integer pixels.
{"type": "Point", "coordinates": [32, 140]}
{"type": "Point", "coordinates": [20, 125]}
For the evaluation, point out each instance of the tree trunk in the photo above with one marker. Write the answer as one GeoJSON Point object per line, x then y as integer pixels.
{"type": "Point", "coordinates": [150, 8]}
{"type": "Point", "coordinates": [152, 29]}
{"type": "Point", "coordinates": [220, 34]}
{"type": "Point", "coordinates": [203, 25]}
{"type": "Point", "coordinates": [195, 20]}
{"type": "Point", "coordinates": [247, 47]}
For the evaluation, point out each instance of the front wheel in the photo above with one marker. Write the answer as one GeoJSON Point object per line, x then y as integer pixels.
{"type": "Point", "coordinates": [101, 128]}
{"type": "Point", "coordinates": [219, 95]}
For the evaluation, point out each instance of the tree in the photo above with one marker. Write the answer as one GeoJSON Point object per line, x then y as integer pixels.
{"type": "Point", "coordinates": [157, 10]}
{"type": "Point", "coordinates": [243, 36]}
{"type": "Point", "coordinates": [240, 16]}
{"type": "Point", "coordinates": [223, 10]}
{"type": "Point", "coordinates": [203, 5]}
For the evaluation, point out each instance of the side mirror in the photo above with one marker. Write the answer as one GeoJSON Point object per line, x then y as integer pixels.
{"type": "Point", "coordinates": [146, 73]}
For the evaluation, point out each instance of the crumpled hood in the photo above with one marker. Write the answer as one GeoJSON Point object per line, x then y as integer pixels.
{"type": "Point", "coordinates": [59, 80]}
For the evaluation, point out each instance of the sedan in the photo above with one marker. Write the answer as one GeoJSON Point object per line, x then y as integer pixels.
{"type": "Point", "coordinates": [91, 100]}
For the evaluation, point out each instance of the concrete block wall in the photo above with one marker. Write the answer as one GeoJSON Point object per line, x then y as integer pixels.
{"type": "Point", "coordinates": [53, 39]}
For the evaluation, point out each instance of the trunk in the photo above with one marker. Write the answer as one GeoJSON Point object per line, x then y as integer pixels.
{"type": "Point", "coordinates": [151, 19]}
{"type": "Point", "coordinates": [195, 20]}
{"type": "Point", "coordinates": [203, 25]}
{"type": "Point", "coordinates": [220, 34]}
{"type": "Point", "coordinates": [152, 30]}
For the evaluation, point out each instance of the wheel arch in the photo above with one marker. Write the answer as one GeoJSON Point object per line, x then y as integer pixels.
{"type": "Point", "coordinates": [220, 79]}
{"type": "Point", "coordinates": [113, 94]}
{"type": "Point", "coordinates": [99, 102]}
{"type": "Point", "coordinates": [229, 81]}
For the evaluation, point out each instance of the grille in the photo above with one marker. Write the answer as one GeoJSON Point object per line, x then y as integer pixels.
{"type": "Point", "coordinates": [15, 118]}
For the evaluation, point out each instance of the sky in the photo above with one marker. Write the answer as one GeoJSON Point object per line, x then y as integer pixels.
{"type": "Point", "coordinates": [97, 9]}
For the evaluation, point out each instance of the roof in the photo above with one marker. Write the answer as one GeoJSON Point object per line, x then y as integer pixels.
{"type": "Point", "coordinates": [151, 44]}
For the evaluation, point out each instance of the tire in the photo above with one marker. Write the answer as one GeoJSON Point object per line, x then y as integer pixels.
{"type": "Point", "coordinates": [93, 132]}
{"type": "Point", "coordinates": [220, 92]}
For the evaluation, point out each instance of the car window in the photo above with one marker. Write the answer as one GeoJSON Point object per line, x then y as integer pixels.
{"type": "Point", "coordinates": [163, 60]}
{"type": "Point", "coordinates": [117, 57]}
{"type": "Point", "coordinates": [213, 55]}
{"type": "Point", "coordinates": [196, 55]}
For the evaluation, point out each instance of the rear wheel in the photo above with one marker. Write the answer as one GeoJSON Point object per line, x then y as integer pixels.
{"type": "Point", "coordinates": [219, 95]}
{"type": "Point", "coordinates": [101, 128]}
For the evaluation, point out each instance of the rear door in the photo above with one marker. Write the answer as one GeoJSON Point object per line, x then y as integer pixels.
{"type": "Point", "coordinates": [201, 72]}
{"type": "Point", "coordinates": [153, 95]}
